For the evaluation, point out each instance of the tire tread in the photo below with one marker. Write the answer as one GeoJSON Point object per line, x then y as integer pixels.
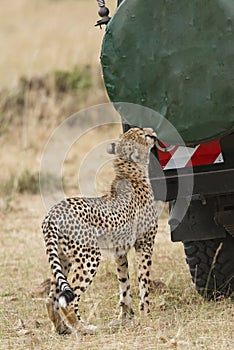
{"type": "Point", "coordinates": [212, 279]}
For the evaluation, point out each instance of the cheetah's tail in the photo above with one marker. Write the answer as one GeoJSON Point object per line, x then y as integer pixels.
{"type": "Point", "coordinates": [51, 241]}
{"type": "Point", "coordinates": [66, 297]}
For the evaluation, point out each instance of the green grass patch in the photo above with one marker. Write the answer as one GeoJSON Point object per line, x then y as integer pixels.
{"type": "Point", "coordinates": [28, 182]}
{"type": "Point", "coordinates": [73, 80]}
{"type": "Point", "coordinates": [55, 93]}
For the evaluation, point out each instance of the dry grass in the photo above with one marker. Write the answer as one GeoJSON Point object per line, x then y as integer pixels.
{"type": "Point", "coordinates": [42, 37]}
{"type": "Point", "coordinates": [180, 318]}
{"type": "Point", "coordinates": [39, 36]}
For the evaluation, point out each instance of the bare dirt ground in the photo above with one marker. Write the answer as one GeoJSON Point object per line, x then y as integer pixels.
{"type": "Point", "coordinates": [37, 38]}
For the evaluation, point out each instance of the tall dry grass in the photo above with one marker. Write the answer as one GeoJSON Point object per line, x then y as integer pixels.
{"type": "Point", "coordinates": [41, 42]}
{"type": "Point", "coordinates": [180, 319]}
{"type": "Point", "coordinates": [37, 37]}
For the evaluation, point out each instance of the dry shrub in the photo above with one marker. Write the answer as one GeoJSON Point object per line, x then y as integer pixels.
{"type": "Point", "coordinates": [30, 112]}
{"type": "Point", "coordinates": [28, 182]}
{"type": "Point", "coordinates": [45, 98]}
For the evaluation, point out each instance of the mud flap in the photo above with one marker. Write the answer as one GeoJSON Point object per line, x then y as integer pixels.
{"type": "Point", "coordinates": [198, 223]}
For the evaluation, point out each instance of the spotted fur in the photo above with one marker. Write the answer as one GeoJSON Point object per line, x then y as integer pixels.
{"type": "Point", "coordinates": [77, 230]}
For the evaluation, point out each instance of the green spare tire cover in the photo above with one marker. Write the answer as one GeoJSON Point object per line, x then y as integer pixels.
{"type": "Point", "coordinates": [177, 58]}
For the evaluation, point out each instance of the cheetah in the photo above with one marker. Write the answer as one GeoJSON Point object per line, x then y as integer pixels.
{"type": "Point", "coordinates": [78, 230]}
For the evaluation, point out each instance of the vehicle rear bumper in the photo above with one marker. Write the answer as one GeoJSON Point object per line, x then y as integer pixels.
{"type": "Point", "coordinates": [213, 182]}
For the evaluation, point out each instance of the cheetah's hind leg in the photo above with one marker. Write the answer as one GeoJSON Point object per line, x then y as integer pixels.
{"type": "Point", "coordinates": [53, 302]}
{"type": "Point", "coordinates": [83, 270]}
{"type": "Point", "coordinates": [52, 305]}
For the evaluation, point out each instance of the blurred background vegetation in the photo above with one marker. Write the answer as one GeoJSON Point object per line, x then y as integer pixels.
{"type": "Point", "coordinates": [49, 69]}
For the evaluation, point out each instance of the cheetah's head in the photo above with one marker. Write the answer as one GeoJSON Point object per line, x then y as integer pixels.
{"type": "Point", "coordinates": [134, 145]}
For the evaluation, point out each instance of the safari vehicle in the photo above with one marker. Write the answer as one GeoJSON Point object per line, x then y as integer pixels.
{"type": "Point", "coordinates": [177, 58]}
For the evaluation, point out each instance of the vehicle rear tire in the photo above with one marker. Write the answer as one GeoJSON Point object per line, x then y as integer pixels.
{"type": "Point", "coordinates": [211, 264]}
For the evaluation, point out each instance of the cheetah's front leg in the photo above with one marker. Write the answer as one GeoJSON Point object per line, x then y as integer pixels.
{"type": "Point", "coordinates": [144, 251]}
{"type": "Point", "coordinates": [124, 287]}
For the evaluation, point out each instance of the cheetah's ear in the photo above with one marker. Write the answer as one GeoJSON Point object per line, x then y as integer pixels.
{"type": "Point", "coordinates": [111, 148]}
